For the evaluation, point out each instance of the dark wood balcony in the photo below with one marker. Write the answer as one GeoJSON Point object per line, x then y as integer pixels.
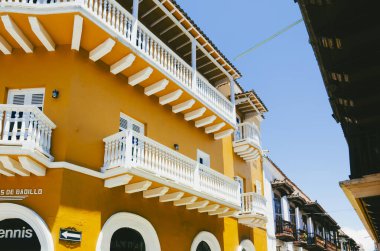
{"type": "Point", "coordinates": [284, 230]}
{"type": "Point", "coordinates": [301, 238]}
{"type": "Point", "coordinates": [330, 246]}
{"type": "Point", "coordinates": [315, 242]}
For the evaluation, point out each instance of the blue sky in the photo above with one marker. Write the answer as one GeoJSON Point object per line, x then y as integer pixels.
{"type": "Point", "coordinates": [302, 137]}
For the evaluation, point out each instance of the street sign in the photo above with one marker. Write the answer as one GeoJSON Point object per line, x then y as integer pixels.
{"type": "Point", "coordinates": [70, 235]}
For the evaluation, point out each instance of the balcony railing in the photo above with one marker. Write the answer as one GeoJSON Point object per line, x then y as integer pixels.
{"type": "Point", "coordinates": [284, 230]}
{"type": "Point", "coordinates": [316, 241]}
{"type": "Point", "coordinates": [132, 150]}
{"type": "Point", "coordinates": [253, 203]}
{"type": "Point", "coordinates": [301, 238]}
{"type": "Point", "coordinates": [120, 21]}
{"type": "Point", "coordinates": [330, 246]}
{"type": "Point", "coordinates": [26, 126]}
{"type": "Point", "coordinates": [248, 132]}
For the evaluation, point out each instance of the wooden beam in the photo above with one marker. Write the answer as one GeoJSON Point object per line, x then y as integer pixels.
{"type": "Point", "coordinates": [41, 33]}
{"type": "Point", "coordinates": [214, 128]}
{"type": "Point", "coordinates": [17, 34]}
{"type": "Point", "coordinates": [205, 121]}
{"type": "Point", "coordinates": [102, 49]}
{"type": "Point", "coordinates": [156, 192]}
{"type": "Point", "coordinates": [196, 205]}
{"type": "Point", "coordinates": [239, 149]}
{"type": "Point", "coordinates": [250, 150]}
{"type": "Point", "coordinates": [253, 153]}
{"type": "Point", "coordinates": [168, 98]}
{"type": "Point", "coordinates": [223, 134]}
{"type": "Point", "coordinates": [156, 87]}
{"type": "Point", "coordinates": [118, 181]}
{"type": "Point", "coordinates": [32, 166]}
{"type": "Point", "coordinates": [207, 209]}
{"type": "Point", "coordinates": [140, 76]}
{"type": "Point", "coordinates": [185, 201]}
{"type": "Point", "coordinates": [138, 187]}
{"type": "Point", "coordinates": [5, 47]}
{"type": "Point", "coordinates": [195, 114]}
{"type": "Point", "coordinates": [231, 213]}
{"type": "Point", "coordinates": [122, 64]}
{"type": "Point", "coordinates": [219, 211]}
{"type": "Point", "coordinates": [13, 166]}
{"type": "Point", "coordinates": [77, 32]}
{"type": "Point", "coordinates": [183, 106]}
{"type": "Point", "coordinates": [171, 197]}
{"type": "Point", "coordinates": [5, 171]}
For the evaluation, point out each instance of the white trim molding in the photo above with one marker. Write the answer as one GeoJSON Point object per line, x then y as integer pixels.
{"type": "Point", "coordinates": [207, 237]}
{"type": "Point", "coordinates": [128, 220]}
{"type": "Point", "coordinates": [246, 245]}
{"type": "Point", "coordinates": [14, 211]}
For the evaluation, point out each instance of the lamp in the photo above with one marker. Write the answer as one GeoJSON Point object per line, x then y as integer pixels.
{"type": "Point", "coordinates": [55, 93]}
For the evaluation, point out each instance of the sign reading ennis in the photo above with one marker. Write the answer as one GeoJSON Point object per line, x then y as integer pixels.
{"type": "Point", "coordinates": [16, 234]}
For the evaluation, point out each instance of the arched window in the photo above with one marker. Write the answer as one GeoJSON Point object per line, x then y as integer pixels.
{"type": "Point", "coordinates": [127, 239]}
{"type": "Point", "coordinates": [205, 241]}
{"type": "Point", "coordinates": [20, 226]}
{"type": "Point", "coordinates": [203, 246]}
{"type": "Point", "coordinates": [128, 232]}
{"type": "Point", "coordinates": [246, 245]}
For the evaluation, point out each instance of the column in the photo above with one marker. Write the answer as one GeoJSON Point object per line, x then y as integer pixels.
{"type": "Point", "coordinates": [298, 218]}
{"type": "Point", "coordinates": [310, 226]}
{"type": "Point", "coordinates": [135, 14]}
{"type": "Point", "coordinates": [285, 208]}
{"type": "Point", "coordinates": [194, 62]}
{"type": "Point", "coordinates": [232, 97]}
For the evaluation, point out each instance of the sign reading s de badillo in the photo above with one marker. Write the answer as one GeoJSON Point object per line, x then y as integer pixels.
{"type": "Point", "coordinates": [19, 193]}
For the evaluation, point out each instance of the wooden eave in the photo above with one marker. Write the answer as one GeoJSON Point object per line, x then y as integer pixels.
{"type": "Point", "coordinates": [297, 199]}
{"type": "Point", "coordinates": [255, 104]}
{"type": "Point", "coordinates": [283, 186]}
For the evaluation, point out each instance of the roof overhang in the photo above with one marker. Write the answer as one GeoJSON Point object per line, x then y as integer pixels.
{"type": "Point", "coordinates": [249, 102]}
{"type": "Point", "coordinates": [283, 186]}
{"type": "Point", "coordinates": [364, 196]}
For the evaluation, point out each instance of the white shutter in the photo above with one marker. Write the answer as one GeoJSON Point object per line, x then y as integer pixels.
{"type": "Point", "coordinates": [27, 97]}
{"type": "Point", "coordinates": [128, 123]}
{"type": "Point", "coordinates": [203, 158]}
{"type": "Point", "coordinates": [241, 182]}
{"type": "Point", "coordinates": [18, 99]}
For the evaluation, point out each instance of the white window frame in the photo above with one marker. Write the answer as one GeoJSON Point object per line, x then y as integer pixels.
{"type": "Point", "coordinates": [241, 182]}
{"type": "Point", "coordinates": [131, 122]}
{"type": "Point", "coordinates": [14, 211]}
{"type": "Point", "coordinates": [205, 156]}
{"type": "Point", "coordinates": [207, 237]}
{"type": "Point", "coordinates": [28, 92]}
{"type": "Point", "coordinates": [259, 188]}
{"type": "Point", "coordinates": [128, 220]}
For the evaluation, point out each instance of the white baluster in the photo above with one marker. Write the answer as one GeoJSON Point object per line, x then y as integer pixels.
{"type": "Point", "coordinates": [15, 125]}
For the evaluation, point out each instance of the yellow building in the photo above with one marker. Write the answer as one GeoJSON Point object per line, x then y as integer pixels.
{"type": "Point", "coordinates": [122, 128]}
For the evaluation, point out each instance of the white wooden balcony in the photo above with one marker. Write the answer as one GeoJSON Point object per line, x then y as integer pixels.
{"type": "Point", "coordinates": [25, 126]}
{"type": "Point", "coordinates": [111, 15]}
{"type": "Point", "coordinates": [247, 141]}
{"type": "Point", "coordinates": [145, 159]}
{"type": "Point", "coordinates": [253, 213]}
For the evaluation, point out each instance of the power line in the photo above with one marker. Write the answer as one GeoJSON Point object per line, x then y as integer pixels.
{"type": "Point", "coordinates": [283, 30]}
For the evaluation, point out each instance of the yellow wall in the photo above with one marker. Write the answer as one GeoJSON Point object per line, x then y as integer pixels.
{"type": "Point", "coordinates": [89, 105]}
{"type": "Point", "coordinates": [86, 111]}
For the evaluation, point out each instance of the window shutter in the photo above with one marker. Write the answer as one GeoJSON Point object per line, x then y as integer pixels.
{"type": "Point", "coordinates": [18, 99]}
{"type": "Point", "coordinates": [127, 123]}
{"type": "Point", "coordinates": [27, 97]}
{"type": "Point", "coordinates": [123, 124]}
